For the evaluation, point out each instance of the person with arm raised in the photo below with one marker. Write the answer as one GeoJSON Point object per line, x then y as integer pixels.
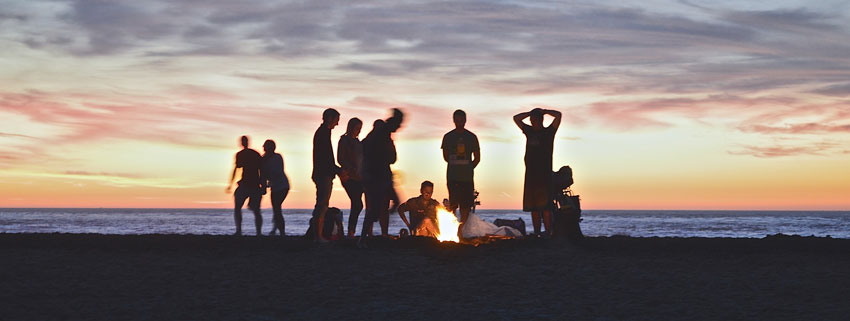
{"type": "Point", "coordinates": [537, 188]}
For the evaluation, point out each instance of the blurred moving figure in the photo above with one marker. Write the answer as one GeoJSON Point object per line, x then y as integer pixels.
{"type": "Point", "coordinates": [249, 186]}
{"type": "Point", "coordinates": [378, 154]}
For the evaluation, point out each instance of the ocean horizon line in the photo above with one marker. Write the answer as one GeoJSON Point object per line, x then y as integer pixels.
{"type": "Point", "coordinates": [483, 209]}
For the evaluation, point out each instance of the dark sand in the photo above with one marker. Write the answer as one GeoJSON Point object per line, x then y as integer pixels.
{"type": "Point", "coordinates": [177, 277]}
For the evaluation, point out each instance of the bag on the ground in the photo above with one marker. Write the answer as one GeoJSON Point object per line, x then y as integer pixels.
{"type": "Point", "coordinates": [518, 224]}
{"type": "Point", "coordinates": [567, 217]}
{"type": "Point", "coordinates": [563, 178]}
{"type": "Point", "coordinates": [568, 206]}
{"type": "Point", "coordinates": [332, 229]}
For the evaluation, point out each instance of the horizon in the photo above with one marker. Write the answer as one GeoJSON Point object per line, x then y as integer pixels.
{"type": "Point", "coordinates": [667, 105]}
{"type": "Point", "coordinates": [267, 210]}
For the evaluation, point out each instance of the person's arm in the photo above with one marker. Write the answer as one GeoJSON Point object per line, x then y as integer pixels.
{"type": "Point", "coordinates": [557, 121]}
{"type": "Point", "coordinates": [476, 153]}
{"type": "Point", "coordinates": [519, 117]}
{"type": "Point", "coordinates": [401, 209]}
{"type": "Point", "coordinates": [232, 178]}
{"type": "Point", "coordinates": [445, 150]}
{"type": "Point", "coordinates": [345, 157]}
{"type": "Point", "coordinates": [263, 174]}
{"type": "Point", "coordinates": [392, 153]}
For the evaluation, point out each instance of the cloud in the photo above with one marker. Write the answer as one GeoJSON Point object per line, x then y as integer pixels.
{"type": "Point", "coordinates": [101, 174]}
{"type": "Point", "coordinates": [807, 128]}
{"type": "Point", "coordinates": [817, 149]}
{"type": "Point", "coordinates": [839, 90]}
{"type": "Point", "coordinates": [388, 68]}
{"type": "Point", "coordinates": [185, 117]}
{"type": "Point", "coordinates": [2, 134]}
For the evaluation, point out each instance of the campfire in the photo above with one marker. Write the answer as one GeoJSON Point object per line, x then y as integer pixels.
{"type": "Point", "coordinates": [448, 225]}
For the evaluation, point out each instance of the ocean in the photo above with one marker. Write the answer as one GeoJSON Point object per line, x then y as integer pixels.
{"type": "Point", "coordinates": [643, 223]}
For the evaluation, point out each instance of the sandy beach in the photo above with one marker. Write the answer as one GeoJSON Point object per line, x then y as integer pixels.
{"type": "Point", "coordinates": [194, 277]}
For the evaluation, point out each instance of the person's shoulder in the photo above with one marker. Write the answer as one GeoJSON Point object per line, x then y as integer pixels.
{"type": "Point", "coordinates": [470, 133]}
{"type": "Point", "coordinates": [433, 202]}
{"type": "Point", "coordinates": [447, 137]}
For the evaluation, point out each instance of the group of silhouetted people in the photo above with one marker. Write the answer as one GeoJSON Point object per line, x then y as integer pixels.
{"type": "Point", "coordinates": [364, 170]}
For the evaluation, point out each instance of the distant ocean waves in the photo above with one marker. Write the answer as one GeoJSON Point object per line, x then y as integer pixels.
{"type": "Point", "coordinates": [753, 224]}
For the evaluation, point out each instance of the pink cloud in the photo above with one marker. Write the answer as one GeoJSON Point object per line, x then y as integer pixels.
{"type": "Point", "coordinates": [820, 148]}
{"type": "Point", "coordinates": [807, 128]}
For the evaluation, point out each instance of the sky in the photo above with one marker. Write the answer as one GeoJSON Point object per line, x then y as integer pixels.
{"type": "Point", "coordinates": [666, 104]}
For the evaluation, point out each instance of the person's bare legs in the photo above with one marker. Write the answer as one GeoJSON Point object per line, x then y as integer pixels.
{"type": "Point", "coordinates": [547, 222]}
{"type": "Point", "coordinates": [464, 214]}
{"type": "Point", "coordinates": [535, 221]}
{"type": "Point", "coordinates": [258, 222]}
{"type": "Point", "coordinates": [239, 197]}
{"type": "Point", "coordinates": [385, 223]}
{"type": "Point", "coordinates": [237, 217]}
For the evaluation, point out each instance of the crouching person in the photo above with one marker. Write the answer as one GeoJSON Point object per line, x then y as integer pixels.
{"type": "Point", "coordinates": [423, 212]}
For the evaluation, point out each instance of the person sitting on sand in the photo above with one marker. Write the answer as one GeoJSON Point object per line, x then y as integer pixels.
{"type": "Point", "coordinates": [423, 212]}
{"type": "Point", "coordinates": [249, 186]}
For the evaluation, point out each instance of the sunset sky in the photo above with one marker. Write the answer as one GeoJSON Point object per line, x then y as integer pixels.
{"type": "Point", "coordinates": [667, 104]}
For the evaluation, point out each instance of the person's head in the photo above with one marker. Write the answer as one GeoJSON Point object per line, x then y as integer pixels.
{"type": "Point", "coordinates": [536, 118]}
{"type": "Point", "coordinates": [378, 123]}
{"type": "Point", "coordinates": [427, 189]}
{"type": "Point", "coordinates": [330, 118]}
{"type": "Point", "coordinates": [394, 122]}
{"type": "Point", "coordinates": [269, 146]}
{"type": "Point", "coordinates": [459, 118]}
{"type": "Point", "coordinates": [244, 141]}
{"type": "Point", "coordinates": [354, 126]}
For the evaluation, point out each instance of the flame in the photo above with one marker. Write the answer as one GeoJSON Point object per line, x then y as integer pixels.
{"type": "Point", "coordinates": [448, 225]}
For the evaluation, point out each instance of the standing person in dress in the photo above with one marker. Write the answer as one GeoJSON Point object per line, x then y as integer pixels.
{"type": "Point", "coordinates": [462, 153]}
{"type": "Point", "coordinates": [248, 187]}
{"type": "Point", "coordinates": [324, 169]}
{"type": "Point", "coordinates": [350, 156]}
{"type": "Point", "coordinates": [378, 154]}
{"type": "Point", "coordinates": [274, 176]}
{"type": "Point", "coordinates": [537, 192]}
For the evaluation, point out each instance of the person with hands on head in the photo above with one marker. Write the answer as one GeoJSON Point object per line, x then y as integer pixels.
{"type": "Point", "coordinates": [537, 188]}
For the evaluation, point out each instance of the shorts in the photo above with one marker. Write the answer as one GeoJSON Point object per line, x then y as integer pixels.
{"type": "Point", "coordinates": [461, 194]}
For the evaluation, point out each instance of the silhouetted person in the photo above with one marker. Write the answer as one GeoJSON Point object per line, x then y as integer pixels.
{"type": "Point", "coordinates": [249, 186]}
{"type": "Point", "coordinates": [350, 156]}
{"type": "Point", "coordinates": [394, 202]}
{"type": "Point", "coordinates": [537, 192]}
{"type": "Point", "coordinates": [324, 169]}
{"type": "Point", "coordinates": [462, 153]}
{"type": "Point", "coordinates": [378, 153]}
{"type": "Point", "coordinates": [274, 177]}
{"type": "Point", "coordinates": [423, 212]}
